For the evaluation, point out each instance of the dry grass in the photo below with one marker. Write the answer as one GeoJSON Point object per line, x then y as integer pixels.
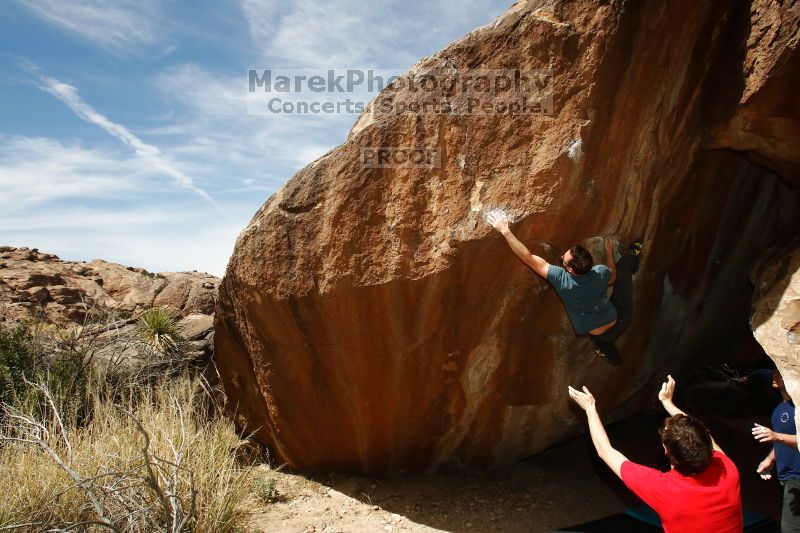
{"type": "Point", "coordinates": [156, 456]}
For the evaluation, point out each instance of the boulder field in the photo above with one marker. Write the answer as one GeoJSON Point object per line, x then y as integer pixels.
{"type": "Point", "coordinates": [371, 320]}
{"type": "Point", "coordinates": [36, 285]}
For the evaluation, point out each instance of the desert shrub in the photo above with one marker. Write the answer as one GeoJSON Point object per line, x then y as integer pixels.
{"type": "Point", "coordinates": [158, 327]}
{"type": "Point", "coordinates": [146, 463]}
{"type": "Point", "coordinates": [17, 361]}
{"type": "Point", "coordinates": [35, 353]}
{"type": "Point", "coordinates": [93, 446]}
{"type": "Point", "coordinates": [265, 489]}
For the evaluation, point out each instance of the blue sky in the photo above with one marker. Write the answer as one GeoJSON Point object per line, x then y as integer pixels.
{"type": "Point", "coordinates": [124, 132]}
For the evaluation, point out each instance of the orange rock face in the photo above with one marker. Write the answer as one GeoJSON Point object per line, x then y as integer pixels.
{"type": "Point", "coordinates": [370, 320]}
{"type": "Point", "coordinates": [766, 123]}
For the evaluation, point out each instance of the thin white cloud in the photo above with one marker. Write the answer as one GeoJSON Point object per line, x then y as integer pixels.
{"type": "Point", "coordinates": [354, 33]}
{"type": "Point", "coordinates": [323, 34]}
{"type": "Point", "coordinates": [214, 129]}
{"type": "Point", "coordinates": [85, 203]}
{"type": "Point", "coordinates": [69, 219]}
{"type": "Point", "coordinates": [158, 238]}
{"type": "Point", "coordinates": [35, 171]}
{"type": "Point", "coordinates": [120, 26]}
{"type": "Point", "coordinates": [147, 152]}
{"type": "Point", "coordinates": [311, 152]}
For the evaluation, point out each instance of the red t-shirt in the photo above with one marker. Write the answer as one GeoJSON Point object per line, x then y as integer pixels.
{"type": "Point", "coordinates": [708, 501]}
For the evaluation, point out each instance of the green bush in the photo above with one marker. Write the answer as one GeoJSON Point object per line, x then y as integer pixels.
{"type": "Point", "coordinates": [265, 489]}
{"type": "Point", "coordinates": [17, 361]}
{"type": "Point", "coordinates": [45, 355]}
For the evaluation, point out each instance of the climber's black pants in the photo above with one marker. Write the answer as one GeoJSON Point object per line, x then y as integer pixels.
{"type": "Point", "coordinates": [622, 298]}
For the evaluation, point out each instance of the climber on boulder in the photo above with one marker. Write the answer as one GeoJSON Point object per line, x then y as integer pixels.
{"type": "Point", "coordinates": [583, 287]}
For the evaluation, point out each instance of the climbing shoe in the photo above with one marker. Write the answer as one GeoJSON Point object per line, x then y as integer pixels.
{"type": "Point", "coordinates": [635, 248]}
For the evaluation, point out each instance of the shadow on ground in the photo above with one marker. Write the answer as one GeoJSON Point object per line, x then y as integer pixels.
{"type": "Point", "coordinates": [562, 486]}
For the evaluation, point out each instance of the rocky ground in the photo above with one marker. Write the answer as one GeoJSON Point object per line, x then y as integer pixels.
{"type": "Point", "coordinates": [546, 492]}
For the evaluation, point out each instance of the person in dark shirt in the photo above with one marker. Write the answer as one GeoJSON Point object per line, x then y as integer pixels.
{"type": "Point", "coordinates": [583, 287]}
{"type": "Point", "coordinates": [784, 455]}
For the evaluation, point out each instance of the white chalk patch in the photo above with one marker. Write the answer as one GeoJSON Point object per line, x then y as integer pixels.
{"type": "Point", "coordinates": [499, 211]}
{"type": "Point", "coordinates": [575, 149]}
{"type": "Point", "coordinates": [461, 161]}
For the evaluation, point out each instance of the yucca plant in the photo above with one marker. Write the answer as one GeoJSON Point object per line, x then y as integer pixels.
{"type": "Point", "coordinates": [158, 327]}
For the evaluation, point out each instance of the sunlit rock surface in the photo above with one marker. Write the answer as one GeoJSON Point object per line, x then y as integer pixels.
{"type": "Point", "coordinates": [370, 320]}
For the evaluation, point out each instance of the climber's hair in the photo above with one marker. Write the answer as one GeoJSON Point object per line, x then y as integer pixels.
{"type": "Point", "coordinates": [688, 443]}
{"type": "Point", "coordinates": [581, 261]}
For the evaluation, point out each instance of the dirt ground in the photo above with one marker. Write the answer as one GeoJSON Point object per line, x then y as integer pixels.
{"type": "Point", "coordinates": [563, 486]}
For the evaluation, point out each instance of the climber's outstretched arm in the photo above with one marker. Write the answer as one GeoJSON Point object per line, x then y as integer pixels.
{"type": "Point", "coordinates": [500, 222]}
{"type": "Point", "coordinates": [534, 262]}
{"type": "Point", "coordinates": [610, 455]}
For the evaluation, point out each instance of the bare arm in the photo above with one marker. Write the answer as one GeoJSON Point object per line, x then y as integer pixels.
{"type": "Point", "coordinates": [610, 455]}
{"type": "Point", "coordinates": [611, 263]}
{"type": "Point", "coordinates": [665, 395]}
{"type": "Point", "coordinates": [764, 434]}
{"type": "Point", "coordinates": [765, 466]}
{"type": "Point", "coordinates": [534, 262]}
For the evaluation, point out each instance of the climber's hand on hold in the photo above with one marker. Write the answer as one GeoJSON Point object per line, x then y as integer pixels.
{"type": "Point", "coordinates": [498, 220]}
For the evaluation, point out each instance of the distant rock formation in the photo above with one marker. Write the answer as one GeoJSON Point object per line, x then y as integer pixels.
{"type": "Point", "coordinates": [370, 320]}
{"type": "Point", "coordinates": [36, 285]}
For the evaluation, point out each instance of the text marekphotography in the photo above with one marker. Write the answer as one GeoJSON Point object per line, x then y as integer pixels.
{"type": "Point", "coordinates": [436, 91]}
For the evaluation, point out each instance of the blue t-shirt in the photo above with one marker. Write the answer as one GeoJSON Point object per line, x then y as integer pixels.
{"type": "Point", "coordinates": [787, 458]}
{"type": "Point", "coordinates": [585, 297]}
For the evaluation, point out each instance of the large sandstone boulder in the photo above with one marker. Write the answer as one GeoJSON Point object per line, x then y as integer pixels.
{"type": "Point", "coordinates": [766, 123]}
{"type": "Point", "coordinates": [42, 286]}
{"type": "Point", "coordinates": [370, 319]}
{"type": "Point", "coordinates": [776, 312]}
